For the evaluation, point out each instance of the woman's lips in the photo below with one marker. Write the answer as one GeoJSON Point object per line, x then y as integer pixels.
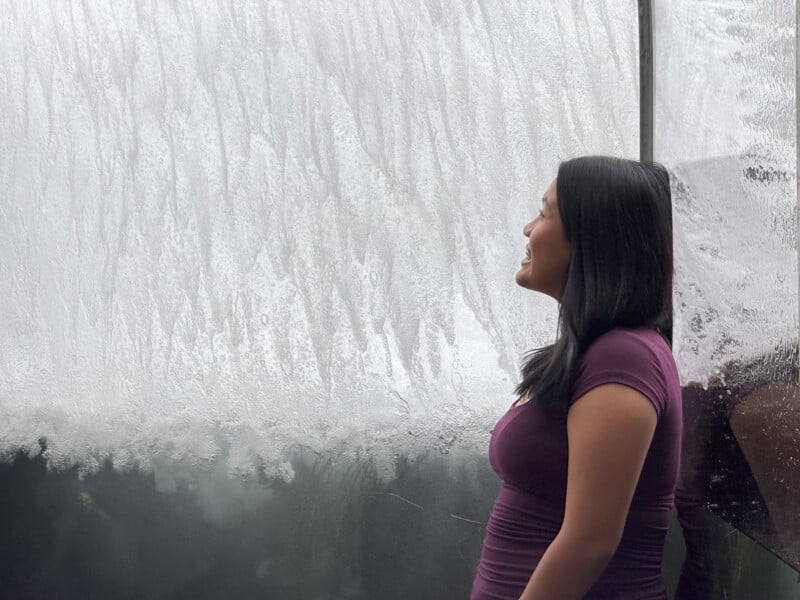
{"type": "Point", "coordinates": [527, 258]}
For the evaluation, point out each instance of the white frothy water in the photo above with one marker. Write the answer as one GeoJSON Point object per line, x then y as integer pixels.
{"type": "Point", "coordinates": [725, 115]}
{"type": "Point", "coordinates": [249, 227]}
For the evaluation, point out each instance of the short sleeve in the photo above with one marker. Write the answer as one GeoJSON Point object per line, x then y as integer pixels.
{"type": "Point", "coordinates": [624, 357]}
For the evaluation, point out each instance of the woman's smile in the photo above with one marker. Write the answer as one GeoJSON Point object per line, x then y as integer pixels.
{"type": "Point", "coordinates": [545, 238]}
{"type": "Point", "coordinates": [527, 258]}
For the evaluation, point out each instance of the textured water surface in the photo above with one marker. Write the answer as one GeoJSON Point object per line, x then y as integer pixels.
{"type": "Point", "coordinates": [228, 230]}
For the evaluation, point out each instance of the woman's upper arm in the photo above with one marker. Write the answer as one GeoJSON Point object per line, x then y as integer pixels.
{"type": "Point", "coordinates": [609, 432]}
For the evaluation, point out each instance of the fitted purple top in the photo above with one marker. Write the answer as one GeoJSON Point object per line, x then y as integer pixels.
{"type": "Point", "coordinates": [528, 450]}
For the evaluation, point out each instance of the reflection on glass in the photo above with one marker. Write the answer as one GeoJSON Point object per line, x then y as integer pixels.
{"type": "Point", "coordinates": [766, 424]}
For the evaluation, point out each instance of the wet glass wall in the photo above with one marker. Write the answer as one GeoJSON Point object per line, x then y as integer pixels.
{"type": "Point", "coordinates": [725, 126]}
{"type": "Point", "coordinates": [257, 262]}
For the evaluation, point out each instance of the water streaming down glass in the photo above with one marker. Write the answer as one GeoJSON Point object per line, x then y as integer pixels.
{"type": "Point", "coordinates": [237, 233]}
{"type": "Point", "coordinates": [726, 124]}
{"type": "Point", "coordinates": [271, 225]}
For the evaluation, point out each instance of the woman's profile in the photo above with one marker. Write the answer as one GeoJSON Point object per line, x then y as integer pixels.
{"type": "Point", "coordinates": [589, 453]}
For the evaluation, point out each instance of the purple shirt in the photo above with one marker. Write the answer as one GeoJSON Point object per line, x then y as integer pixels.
{"type": "Point", "coordinates": [528, 450]}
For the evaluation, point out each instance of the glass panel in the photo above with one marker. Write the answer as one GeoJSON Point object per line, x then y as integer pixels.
{"type": "Point", "coordinates": [269, 224]}
{"type": "Point", "coordinates": [725, 125]}
{"type": "Point", "coordinates": [277, 240]}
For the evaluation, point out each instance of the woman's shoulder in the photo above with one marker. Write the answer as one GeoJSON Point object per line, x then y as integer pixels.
{"type": "Point", "coordinates": [643, 352]}
{"type": "Point", "coordinates": [629, 343]}
{"type": "Point", "coordinates": [638, 358]}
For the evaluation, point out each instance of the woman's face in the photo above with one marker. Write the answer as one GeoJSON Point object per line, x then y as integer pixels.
{"type": "Point", "coordinates": [549, 252]}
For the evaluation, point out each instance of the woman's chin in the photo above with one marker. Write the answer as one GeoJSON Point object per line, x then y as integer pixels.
{"type": "Point", "coordinates": [523, 278]}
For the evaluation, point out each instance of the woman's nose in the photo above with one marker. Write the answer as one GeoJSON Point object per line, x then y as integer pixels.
{"type": "Point", "coordinates": [526, 231]}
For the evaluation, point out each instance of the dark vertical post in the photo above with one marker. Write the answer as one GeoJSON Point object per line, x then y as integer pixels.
{"type": "Point", "coordinates": [645, 80]}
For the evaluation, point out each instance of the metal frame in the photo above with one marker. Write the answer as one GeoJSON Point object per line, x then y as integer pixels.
{"type": "Point", "coordinates": [645, 80]}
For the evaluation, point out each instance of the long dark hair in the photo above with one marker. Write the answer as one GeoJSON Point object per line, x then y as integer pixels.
{"type": "Point", "coordinates": [617, 217]}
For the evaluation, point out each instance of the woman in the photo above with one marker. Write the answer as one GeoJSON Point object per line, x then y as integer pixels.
{"type": "Point", "coordinates": [589, 454]}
